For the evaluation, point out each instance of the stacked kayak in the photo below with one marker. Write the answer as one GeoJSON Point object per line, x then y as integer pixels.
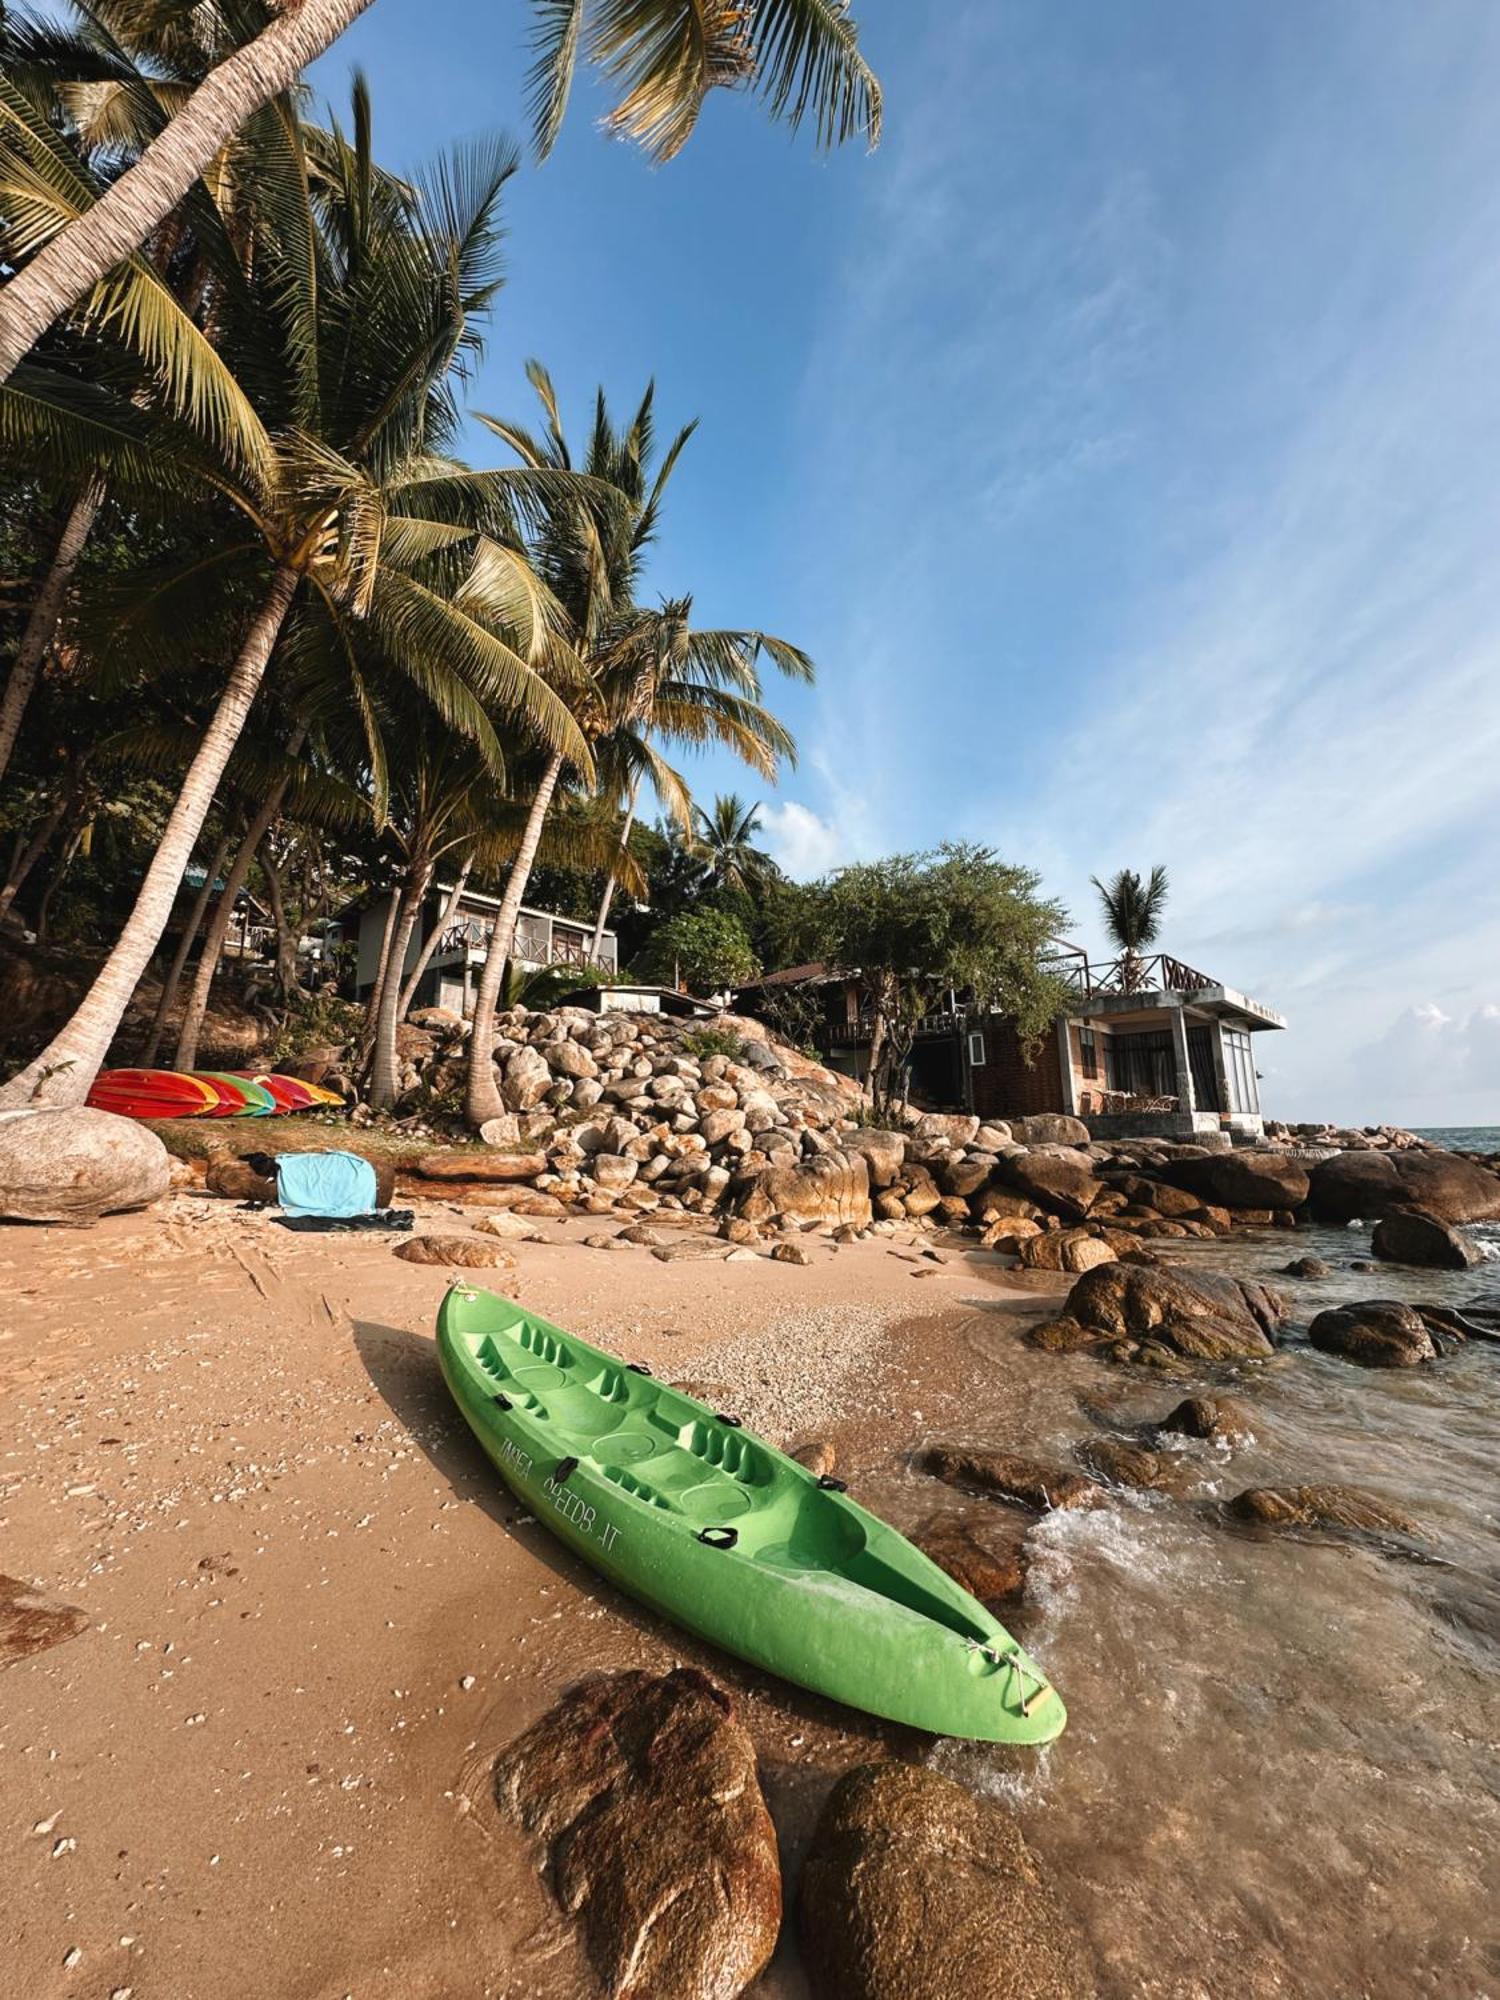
{"type": "Point", "coordinates": [171, 1093]}
{"type": "Point", "coordinates": [696, 1516]}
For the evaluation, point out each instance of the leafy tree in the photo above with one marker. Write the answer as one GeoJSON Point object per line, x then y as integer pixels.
{"type": "Point", "coordinates": [664, 56]}
{"type": "Point", "coordinates": [918, 927]}
{"type": "Point", "coordinates": [704, 949]}
{"type": "Point", "coordinates": [363, 546]}
{"type": "Point", "coordinates": [726, 840]}
{"type": "Point", "coordinates": [632, 674]}
{"type": "Point", "coordinates": [1132, 916]}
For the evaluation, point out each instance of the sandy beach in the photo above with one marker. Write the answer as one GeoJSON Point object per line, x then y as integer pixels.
{"type": "Point", "coordinates": [314, 1616]}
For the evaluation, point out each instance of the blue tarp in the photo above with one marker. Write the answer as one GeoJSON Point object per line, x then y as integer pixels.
{"type": "Point", "coordinates": [325, 1184]}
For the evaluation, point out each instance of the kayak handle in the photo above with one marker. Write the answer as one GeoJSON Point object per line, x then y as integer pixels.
{"type": "Point", "coordinates": [564, 1470]}
{"type": "Point", "coordinates": [637, 1367]}
{"type": "Point", "coordinates": [719, 1538]}
{"type": "Point", "coordinates": [831, 1485]}
{"type": "Point", "coordinates": [502, 1402]}
{"type": "Point", "coordinates": [723, 1417]}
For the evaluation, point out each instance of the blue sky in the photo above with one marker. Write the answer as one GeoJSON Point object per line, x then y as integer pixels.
{"type": "Point", "coordinates": [1123, 440]}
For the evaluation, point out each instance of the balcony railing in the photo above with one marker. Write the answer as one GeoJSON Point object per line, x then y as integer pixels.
{"type": "Point", "coordinates": [534, 946]}
{"type": "Point", "coordinates": [1129, 973]}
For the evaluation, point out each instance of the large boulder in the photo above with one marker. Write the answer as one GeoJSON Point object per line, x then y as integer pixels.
{"type": "Point", "coordinates": [1065, 1183]}
{"type": "Point", "coordinates": [243, 1178]}
{"type": "Point", "coordinates": [1049, 1128]}
{"type": "Point", "coordinates": [884, 1153]}
{"type": "Point", "coordinates": [945, 1128]}
{"type": "Point", "coordinates": [1242, 1179]}
{"type": "Point", "coordinates": [76, 1164]}
{"type": "Point", "coordinates": [914, 1889]}
{"type": "Point", "coordinates": [1343, 1507]}
{"type": "Point", "coordinates": [1217, 1418]}
{"type": "Point", "coordinates": [1407, 1236]}
{"type": "Point", "coordinates": [1063, 1250]}
{"type": "Point", "coordinates": [832, 1187]}
{"type": "Point", "coordinates": [527, 1079]}
{"type": "Point", "coordinates": [1349, 1187]}
{"type": "Point", "coordinates": [1380, 1333]}
{"type": "Point", "coordinates": [457, 1250]}
{"type": "Point", "coordinates": [1008, 1475]}
{"type": "Point", "coordinates": [644, 1791]}
{"type": "Point", "coordinates": [1207, 1317]}
{"type": "Point", "coordinates": [985, 1557]}
{"type": "Point", "coordinates": [472, 1163]}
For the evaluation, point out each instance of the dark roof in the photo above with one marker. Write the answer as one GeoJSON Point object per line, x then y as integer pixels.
{"type": "Point", "coordinates": [810, 974]}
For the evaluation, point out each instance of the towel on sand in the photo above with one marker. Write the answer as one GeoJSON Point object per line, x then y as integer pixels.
{"type": "Point", "coordinates": [325, 1184]}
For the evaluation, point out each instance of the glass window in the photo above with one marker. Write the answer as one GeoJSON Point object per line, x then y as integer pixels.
{"type": "Point", "coordinates": [1088, 1047]}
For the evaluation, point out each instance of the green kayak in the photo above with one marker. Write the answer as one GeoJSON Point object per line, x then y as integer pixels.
{"type": "Point", "coordinates": [697, 1517]}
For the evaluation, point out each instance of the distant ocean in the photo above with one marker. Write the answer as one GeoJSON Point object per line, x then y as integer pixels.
{"type": "Point", "coordinates": [1462, 1138]}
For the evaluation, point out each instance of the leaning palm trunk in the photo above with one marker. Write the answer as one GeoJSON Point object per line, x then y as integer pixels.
{"type": "Point", "coordinates": [433, 939]}
{"type": "Point", "coordinates": [218, 928]}
{"type": "Point", "coordinates": [64, 1070]}
{"type": "Point", "coordinates": [180, 957]}
{"type": "Point", "coordinates": [90, 247]}
{"type": "Point", "coordinates": [481, 1098]}
{"type": "Point", "coordinates": [364, 1047]}
{"type": "Point", "coordinates": [45, 612]}
{"type": "Point", "coordinates": [383, 1078]}
{"type": "Point", "coordinates": [611, 883]}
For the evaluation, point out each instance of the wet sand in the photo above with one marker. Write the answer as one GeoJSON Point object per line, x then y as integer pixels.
{"type": "Point", "coordinates": [314, 1616]}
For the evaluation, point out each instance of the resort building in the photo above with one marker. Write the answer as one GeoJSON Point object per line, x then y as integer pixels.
{"type": "Point", "coordinates": [453, 971]}
{"type": "Point", "coordinates": [1149, 1046]}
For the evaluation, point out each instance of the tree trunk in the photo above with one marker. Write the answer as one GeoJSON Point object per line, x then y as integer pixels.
{"type": "Point", "coordinates": [430, 944]}
{"type": "Point", "coordinates": [609, 887]}
{"type": "Point", "coordinates": [481, 1097]}
{"type": "Point", "coordinates": [383, 1071]}
{"type": "Point", "coordinates": [364, 1047]}
{"type": "Point", "coordinates": [218, 928]}
{"type": "Point", "coordinates": [125, 215]}
{"type": "Point", "coordinates": [55, 881]}
{"type": "Point", "coordinates": [173, 979]}
{"type": "Point", "coordinates": [64, 1070]}
{"type": "Point", "coordinates": [45, 612]}
{"type": "Point", "coordinates": [32, 853]}
{"type": "Point", "coordinates": [286, 942]}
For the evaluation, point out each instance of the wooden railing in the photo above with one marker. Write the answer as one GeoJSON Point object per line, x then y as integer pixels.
{"type": "Point", "coordinates": [1129, 973]}
{"type": "Point", "coordinates": [563, 948]}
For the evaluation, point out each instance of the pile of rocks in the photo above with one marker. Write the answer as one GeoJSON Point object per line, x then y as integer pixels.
{"type": "Point", "coordinates": [643, 1115]}
{"type": "Point", "coordinates": [1348, 1138]}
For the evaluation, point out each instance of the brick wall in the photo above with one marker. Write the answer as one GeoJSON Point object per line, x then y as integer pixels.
{"type": "Point", "coordinates": [1006, 1084]}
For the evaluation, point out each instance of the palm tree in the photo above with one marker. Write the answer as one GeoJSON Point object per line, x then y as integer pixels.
{"type": "Point", "coordinates": [1132, 915]}
{"type": "Point", "coordinates": [637, 673]}
{"type": "Point", "coordinates": [361, 524]}
{"type": "Point", "coordinates": [725, 838]}
{"type": "Point", "coordinates": [73, 104]}
{"type": "Point", "coordinates": [665, 56]}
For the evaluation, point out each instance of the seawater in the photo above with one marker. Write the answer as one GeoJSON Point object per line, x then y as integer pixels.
{"type": "Point", "coordinates": [1280, 1775]}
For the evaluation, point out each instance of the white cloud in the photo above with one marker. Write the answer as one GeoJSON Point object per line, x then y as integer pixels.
{"type": "Point", "coordinates": [800, 842]}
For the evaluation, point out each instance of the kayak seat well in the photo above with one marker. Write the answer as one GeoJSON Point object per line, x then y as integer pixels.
{"type": "Point", "coordinates": [728, 1449]}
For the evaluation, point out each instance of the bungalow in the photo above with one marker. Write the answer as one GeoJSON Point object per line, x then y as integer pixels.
{"type": "Point", "coordinates": [1147, 1046]}
{"type": "Point", "coordinates": [452, 973]}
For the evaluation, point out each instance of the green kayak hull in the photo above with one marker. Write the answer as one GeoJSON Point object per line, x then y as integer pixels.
{"type": "Point", "coordinates": [708, 1524]}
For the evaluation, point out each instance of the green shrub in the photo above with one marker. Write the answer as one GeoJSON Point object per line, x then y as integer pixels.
{"type": "Point", "coordinates": [702, 1042]}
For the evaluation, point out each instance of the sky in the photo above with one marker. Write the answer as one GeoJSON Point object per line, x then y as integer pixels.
{"type": "Point", "coordinates": [1122, 439]}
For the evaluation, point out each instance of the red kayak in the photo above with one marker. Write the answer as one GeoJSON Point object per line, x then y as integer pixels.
{"type": "Point", "coordinates": [153, 1093]}
{"type": "Point", "coordinates": [290, 1093]}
